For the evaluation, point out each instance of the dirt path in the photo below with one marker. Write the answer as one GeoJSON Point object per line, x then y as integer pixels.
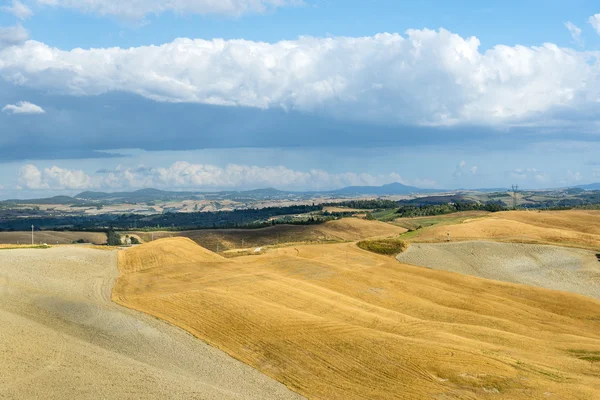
{"type": "Point", "coordinates": [62, 337]}
{"type": "Point", "coordinates": [551, 267]}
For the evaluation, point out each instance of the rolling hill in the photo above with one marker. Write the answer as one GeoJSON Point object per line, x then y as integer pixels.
{"type": "Point", "coordinates": [347, 229]}
{"type": "Point", "coordinates": [337, 322]}
{"type": "Point", "coordinates": [572, 228]}
{"type": "Point", "coordinates": [384, 190]}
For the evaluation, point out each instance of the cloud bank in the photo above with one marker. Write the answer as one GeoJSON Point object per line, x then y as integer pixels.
{"type": "Point", "coordinates": [18, 9]}
{"type": "Point", "coordinates": [427, 78]}
{"type": "Point", "coordinates": [137, 9]}
{"type": "Point", "coordinates": [53, 178]}
{"type": "Point", "coordinates": [594, 20]}
{"type": "Point", "coordinates": [23, 107]}
{"type": "Point", "coordinates": [185, 175]}
{"type": "Point", "coordinates": [12, 36]}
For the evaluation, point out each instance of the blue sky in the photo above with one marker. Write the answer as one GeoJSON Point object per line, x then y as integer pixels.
{"type": "Point", "coordinates": [197, 94]}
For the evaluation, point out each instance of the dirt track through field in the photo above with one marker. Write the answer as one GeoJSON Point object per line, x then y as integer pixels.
{"type": "Point", "coordinates": [62, 338]}
{"type": "Point", "coordinates": [571, 270]}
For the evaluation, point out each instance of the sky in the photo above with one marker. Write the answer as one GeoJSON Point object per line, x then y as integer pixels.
{"type": "Point", "coordinates": [110, 95]}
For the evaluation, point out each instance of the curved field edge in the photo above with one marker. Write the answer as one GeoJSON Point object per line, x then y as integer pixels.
{"type": "Point", "coordinates": [571, 228]}
{"type": "Point", "coordinates": [343, 230]}
{"type": "Point", "coordinates": [342, 323]}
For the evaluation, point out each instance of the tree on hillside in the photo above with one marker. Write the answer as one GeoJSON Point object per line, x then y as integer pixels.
{"type": "Point", "coordinates": [113, 238]}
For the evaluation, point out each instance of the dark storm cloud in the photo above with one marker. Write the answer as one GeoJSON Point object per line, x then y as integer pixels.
{"type": "Point", "coordinates": [86, 127]}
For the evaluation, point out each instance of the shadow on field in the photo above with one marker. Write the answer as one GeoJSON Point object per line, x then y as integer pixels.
{"type": "Point", "coordinates": [598, 257]}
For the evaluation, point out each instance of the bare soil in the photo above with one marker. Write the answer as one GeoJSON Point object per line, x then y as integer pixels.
{"type": "Point", "coordinates": [552, 267]}
{"type": "Point", "coordinates": [61, 337]}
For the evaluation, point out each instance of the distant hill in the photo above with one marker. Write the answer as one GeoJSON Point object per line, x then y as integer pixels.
{"type": "Point", "coordinates": [146, 195]}
{"type": "Point", "coordinates": [430, 200]}
{"type": "Point", "coordinates": [591, 186]}
{"type": "Point", "coordinates": [385, 190]}
{"type": "Point", "coordinates": [66, 200]}
{"type": "Point", "coordinates": [156, 195]}
{"type": "Point", "coordinates": [138, 196]}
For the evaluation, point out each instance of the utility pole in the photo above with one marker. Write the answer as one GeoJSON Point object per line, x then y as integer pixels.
{"type": "Point", "coordinates": [32, 243]}
{"type": "Point", "coordinates": [515, 190]}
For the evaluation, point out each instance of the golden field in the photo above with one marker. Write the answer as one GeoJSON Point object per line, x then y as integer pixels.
{"type": "Point", "coordinates": [336, 322]}
{"type": "Point", "coordinates": [573, 228]}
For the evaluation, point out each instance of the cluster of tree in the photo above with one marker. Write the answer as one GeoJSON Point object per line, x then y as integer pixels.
{"type": "Point", "coordinates": [440, 209]}
{"type": "Point", "coordinates": [366, 204]}
{"type": "Point", "coordinates": [113, 238]}
{"type": "Point", "coordinates": [173, 221]}
{"type": "Point", "coordinates": [309, 220]}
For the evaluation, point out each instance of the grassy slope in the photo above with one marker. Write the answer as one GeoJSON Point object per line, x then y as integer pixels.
{"type": "Point", "coordinates": [575, 228]}
{"type": "Point", "coordinates": [447, 219]}
{"type": "Point", "coordinates": [389, 247]}
{"type": "Point", "coordinates": [347, 229]}
{"type": "Point", "coordinates": [337, 322]}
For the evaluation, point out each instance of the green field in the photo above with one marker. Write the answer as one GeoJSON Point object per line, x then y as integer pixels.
{"type": "Point", "coordinates": [416, 224]}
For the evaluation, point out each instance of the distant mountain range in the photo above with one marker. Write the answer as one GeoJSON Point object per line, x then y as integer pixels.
{"type": "Point", "coordinates": [156, 195]}
{"type": "Point", "coordinates": [145, 195]}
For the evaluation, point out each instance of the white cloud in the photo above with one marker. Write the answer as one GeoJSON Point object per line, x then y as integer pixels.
{"type": "Point", "coordinates": [574, 176]}
{"type": "Point", "coordinates": [137, 9]}
{"type": "Point", "coordinates": [527, 174]}
{"type": "Point", "coordinates": [18, 9]}
{"type": "Point", "coordinates": [541, 177]}
{"type": "Point", "coordinates": [424, 78]}
{"type": "Point", "coordinates": [518, 174]}
{"type": "Point", "coordinates": [184, 175]}
{"type": "Point", "coordinates": [575, 32]}
{"type": "Point", "coordinates": [53, 178]}
{"type": "Point", "coordinates": [31, 177]}
{"type": "Point", "coordinates": [594, 20]}
{"type": "Point", "coordinates": [23, 107]}
{"type": "Point", "coordinates": [462, 169]}
{"type": "Point", "coordinates": [187, 175]}
{"type": "Point", "coordinates": [12, 36]}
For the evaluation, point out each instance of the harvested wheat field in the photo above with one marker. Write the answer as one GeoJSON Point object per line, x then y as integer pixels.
{"type": "Point", "coordinates": [51, 237]}
{"type": "Point", "coordinates": [62, 338]}
{"type": "Point", "coordinates": [347, 229]}
{"type": "Point", "coordinates": [551, 267]}
{"type": "Point", "coordinates": [573, 228]}
{"type": "Point", "coordinates": [336, 322]}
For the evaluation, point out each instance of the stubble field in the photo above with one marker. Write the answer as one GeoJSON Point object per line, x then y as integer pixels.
{"type": "Point", "coordinates": [337, 322]}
